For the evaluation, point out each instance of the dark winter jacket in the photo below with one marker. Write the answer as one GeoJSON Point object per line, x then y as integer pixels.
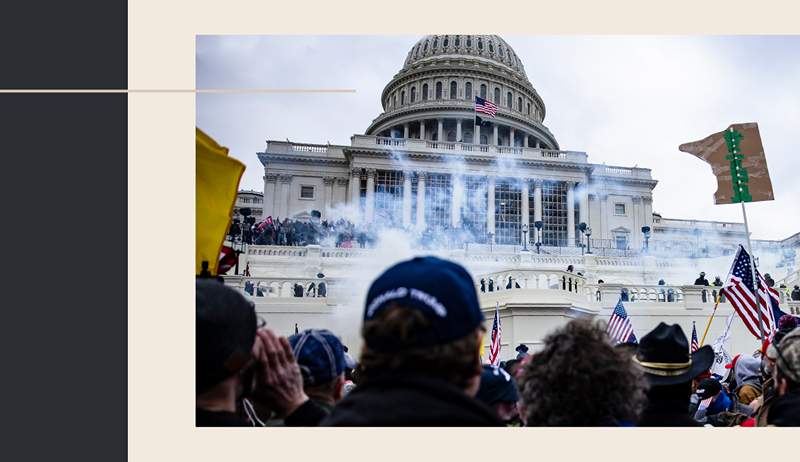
{"type": "Point", "coordinates": [785, 410]}
{"type": "Point", "coordinates": [401, 401]}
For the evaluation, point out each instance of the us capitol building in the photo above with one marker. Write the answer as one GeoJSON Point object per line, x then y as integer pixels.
{"type": "Point", "coordinates": [525, 208]}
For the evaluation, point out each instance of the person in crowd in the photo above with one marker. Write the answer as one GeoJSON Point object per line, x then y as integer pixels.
{"type": "Point", "coordinates": [796, 293]}
{"type": "Point", "coordinates": [701, 280]}
{"type": "Point", "coordinates": [512, 366]}
{"type": "Point", "coordinates": [321, 358]}
{"type": "Point", "coordinates": [624, 294]}
{"type": "Point", "coordinates": [322, 289]}
{"type": "Point", "coordinates": [748, 379]}
{"type": "Point", "coordinates": [718, 407]}
{"type": "Point", "coordinates": [510, 283]}
{"type": "Point", "coordinates": [522, 350]}
{"type": "Point", "coordinates": [236, 361]}
{"type": "Point", "coordinates": [420, 362]}
{"type": "Point", "coordinates": [570, 269]}
{"type": "Point", "coordinates": [499, 391]}
{"type": "Point", "coordinates": [491, 285]}
{"type": "Point", "coordinates": [483, 285]}
{"type": "Point", "coordinates": [298, 290]}
{"type": "Point", "coordinates": [785, 409]}
{"type": "Point", "coordinates": [668, 366]}
{"type": "Point", "coordinates": [580, 379]}
{"type": "Point", "coordinates": [718, 283]}
{"type": "Point", "coordinates": [769, 280]}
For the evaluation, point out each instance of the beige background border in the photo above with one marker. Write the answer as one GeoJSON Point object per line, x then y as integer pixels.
{"type": "Point", "coordinates": [161, 172]}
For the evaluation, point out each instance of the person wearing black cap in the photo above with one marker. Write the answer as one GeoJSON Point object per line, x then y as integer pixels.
{"type": "Point", "coordinates": [235, 360]}
{"type": "Point", "coordinates": [499, 392]}
{"type": "Point", "coordinates": [420, 362]}
{"type": "Point", "coordinates": [522, 351]}
{"type": "Point", "coordinates": [321, 357]}
{"type": "Point", "coordinates": [664, 357]}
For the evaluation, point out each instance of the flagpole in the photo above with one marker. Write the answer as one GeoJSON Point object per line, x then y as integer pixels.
{"type": "Point", "coordinates": [711, 318]}
{"type": "Point", "coordinates": [756, 282]}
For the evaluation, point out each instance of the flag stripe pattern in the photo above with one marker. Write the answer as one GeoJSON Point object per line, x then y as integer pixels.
{"type": "Point", "coordinates": [485, 107]}
{"type": "Point", "coordinates": [739, 289]}
{"type": "Point", "coordinates": [695, 344]}
{"type": "Point", "coordinates": [497, 331]}
{"type": "Point", "coordinates": [619, 327]}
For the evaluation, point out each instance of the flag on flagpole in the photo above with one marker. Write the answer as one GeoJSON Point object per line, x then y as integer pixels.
{"type": "Point", "coordinates": [486, 107]}
{"type": "Point", "coordinates": [740, 291]}
{"type": "Point", "coordinates": [217, 181]}
{"type": "Point", "coordinates": [619, 327]}
{"type": "Point", "coordinates": [721, 355]}
{"type": "Point", "coordinates": [497, 332]}
{"type": "Point", "coordinates": [695, 344]}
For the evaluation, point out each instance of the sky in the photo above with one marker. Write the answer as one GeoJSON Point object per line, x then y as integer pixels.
{"type": "Point", "coordinates": [624, 100]}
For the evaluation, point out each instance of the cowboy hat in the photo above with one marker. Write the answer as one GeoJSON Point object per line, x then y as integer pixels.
{"type": "Point", "coordinates": [664, 356]}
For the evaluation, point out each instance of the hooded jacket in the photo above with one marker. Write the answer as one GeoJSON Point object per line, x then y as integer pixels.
{"type": "Point", "coordinates": [401, 401]}
{"type": "Point", "coordinates": [785, 410]}
{"type": "Point", "coordinates": [748, 379]}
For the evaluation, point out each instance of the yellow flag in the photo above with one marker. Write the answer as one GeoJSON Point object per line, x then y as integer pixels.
{"type": "Point", "coordinates": [217, 177]}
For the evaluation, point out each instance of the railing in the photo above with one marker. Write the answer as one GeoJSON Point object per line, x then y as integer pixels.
{"type": "Point", "coordinates": [688, 295]}
{"type": "Point", "coordinates": [280, 287]}
{"type": "Point", "coordinates": [530, 279]}
{"type": "Point", "coordinates": [309, 148]}
{"type": "Point", "coordinates": [383, 141]}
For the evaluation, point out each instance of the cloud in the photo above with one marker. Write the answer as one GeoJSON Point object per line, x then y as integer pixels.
{"type": "Point", "coordinates": [625, 100]}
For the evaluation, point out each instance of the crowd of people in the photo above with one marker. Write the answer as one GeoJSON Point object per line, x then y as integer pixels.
{"type": "Point", "coordinates": [421, 365]}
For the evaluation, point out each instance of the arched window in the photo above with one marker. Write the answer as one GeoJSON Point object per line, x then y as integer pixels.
{"type": "Point", "coordinates": [435, 42]}
{"type": "Point", "coordinates": [446, 41]}
{"type": "Point", "coordinates": [496, 95]}
{"type": "Point", "coordinates": [509, 100]}
{"type": "Point", "coordinates": [480, 44]}
{"type": "Point", "coordinates": [469, 42]}
{"type": "Point", "coordinates": [519, 104]}
{"type": "Point", "coordinates": [453, 90]}
{"type": "Point", "coordinates": [413, 94]}
{"type": "Point", "coordinates": [438, 90]}
{"type": "Point", "coordinates": [529, 108]}
{"type": "Point", "coordinates": [458, 40]}
{"type": "Point", "coordinates": [491, 47]}
{"type": "Point", "coordinates": [483, 90]}
{"type": "Point", "coordinates": [403, 98]}
{"type": "Point", "coordinates": [468, 91]}
{"type": "Point", "coordinates": [394, 100]}
{"type": "Point", "coordinates": [425, 92]}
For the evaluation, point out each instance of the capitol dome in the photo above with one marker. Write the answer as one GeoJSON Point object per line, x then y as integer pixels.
{"type": "Point", "coordinates": [432, 97]}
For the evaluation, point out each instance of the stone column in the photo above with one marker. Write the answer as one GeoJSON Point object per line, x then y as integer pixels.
{"type": "Point", "coordinates": [405, 130]}
{"type": "Point", "coordinates": [537, 200]}
{"type": "Point", "coordinates": [458, 131]}
{"type": "Point", "coordinates": [490, 213]}
{"type": "Point", "coordinates": [422, 129]}
{"type": "Point", "coordinates": [496, 136]}
{"type": "Point", "coordinates": [270, 194]}
{"type": "Point", "coordinates": [328, 188]}
{"type": "Point", "coordinates": [511, 138]}
{"type": "Point", "coordinates": [570, 214]}
{"type": "Point", "coordinates": [341, 191]}
{"type": "Point", "coordinates": [525, 206]}
{"type": "Point", "coordinates": [538, 145]}
{"type": "Point", "coordinates": [583, 199]}
{"type": "Point", "coordinates": [637, 239]}
{"type": "Point", "coordinates": [602, 233]}
{"type": "Point", "coordinates": [370, 206]}
{"type": "Point", "coordinates": [440, 133]}
{"type": "Point", "coordinates": [286, 182]}
{"type": "Point", "coordinates": [407, 198]}
{"type": "Point", "coordinates": [421, 199]}
{"type": "Point", "coordinates": [476, 134]}
{"type": "Point", "coordinates": [525, 140]}
{"type": "Point", "coordinates": [355, 187]}
{"type": "Point", "coordinates": [455, 201]}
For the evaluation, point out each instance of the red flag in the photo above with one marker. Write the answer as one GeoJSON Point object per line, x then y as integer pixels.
{"type": "Point", "coordinates": [227, 259]}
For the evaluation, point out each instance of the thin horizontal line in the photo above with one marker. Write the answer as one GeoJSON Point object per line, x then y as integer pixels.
{"type": "Point", "coordinates": [187, 90]}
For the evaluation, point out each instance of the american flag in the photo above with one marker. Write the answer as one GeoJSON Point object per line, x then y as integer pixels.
{"type": "Point", "coordinates": [497, 331]}
{"type": "Point", "coordinates": [619, 327]}
{"type": "Point", "coordinates": [739, 289]}
{"type": "Point", "coordinates": [485, 107]}
{"type": "Point", "coordinates": [695, 344]}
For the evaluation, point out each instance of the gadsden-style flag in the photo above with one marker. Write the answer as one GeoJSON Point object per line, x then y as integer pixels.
{"type": "Point", "coordinates": [217, 177]}
{"type": "Point", "coordinates": [737, 159]}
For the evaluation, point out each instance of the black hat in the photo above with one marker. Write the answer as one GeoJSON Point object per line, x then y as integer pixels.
{"type": "Point", "coordinates": [664, 356]}
{"type": "Point", "coordinates": [226, 330]}
{"type": "Point", "coordinates": [708, 388]}
{"type": "Point", "coordinates": [521, 348]}
{"type": "Point", "coordinates": [496, 386]}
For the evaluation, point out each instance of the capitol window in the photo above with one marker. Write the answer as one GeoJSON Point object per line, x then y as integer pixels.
{"type": "Point", "coordinates": [621, 241]}
{"type": "Point", "coordinates": [519, 104]}
{"type": "Point", "coordinates": [529, 108]}
{"type": "Point", "coordinates": [413, 94]}
{"type": "Point", "coordinates": [509, 100]}
{"type": "Point", "coordinates": [438, 90]}
{"type": "Point", "coordinates": [496, 96]}
{"type": "Point", "coordinates": [453, 90]}
{"type": "Point", "coordinates": [402, 98]}
{"type": "Point", "coordinates": [619, 209]}
{"type": "Point", "coordinates": [425, 92]}
{"type": "Point", "coordinates": [468, 91]}
{"type": "Point", "coordinates": [483, 91]}
{"type": "Point", "coordinates": [306, 192]}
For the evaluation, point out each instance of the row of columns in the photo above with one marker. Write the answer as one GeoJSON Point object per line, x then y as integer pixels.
{"type": "Point", "coordinates": [476, 135]}
{"type": "Point", "coordinates": [369, 208]}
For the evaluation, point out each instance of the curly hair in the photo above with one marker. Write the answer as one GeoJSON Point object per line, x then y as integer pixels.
{"type": "Point", "coordinates": [579, 379]}
{"type": "Point", "coordinates": [456, 362]}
